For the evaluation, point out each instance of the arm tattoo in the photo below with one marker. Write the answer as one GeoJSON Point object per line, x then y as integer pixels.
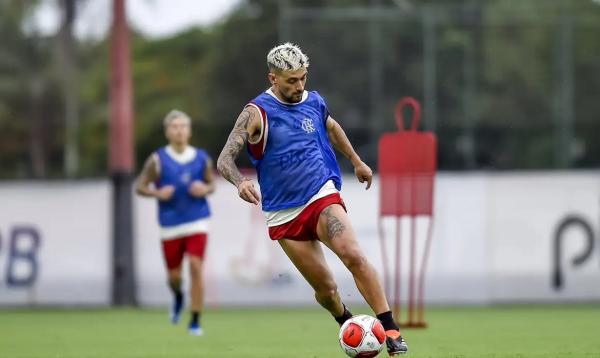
{"type": "Point", "coordinates": [148, 175]}
{"type": "Point", "coordinates": [334, 226]}
{"type": "Point", "coordinates": [234, 145]}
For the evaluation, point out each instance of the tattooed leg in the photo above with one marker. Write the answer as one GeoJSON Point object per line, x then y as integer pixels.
{"type": "Point", "coordinates": [335, 227]}
{"type": "Point", "coordinates": [334, 230]}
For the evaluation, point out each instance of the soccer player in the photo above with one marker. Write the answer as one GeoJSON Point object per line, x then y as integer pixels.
{"type": "Point", "coordinates": [289, 134]}
{"type": "Point", "coordinates": [180, 177]}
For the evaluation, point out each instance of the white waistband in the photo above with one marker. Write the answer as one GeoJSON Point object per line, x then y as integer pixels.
{"type": "Point", "coordinates": [279, 217]}
{"type": "Point", "coordinates": [194, 227]}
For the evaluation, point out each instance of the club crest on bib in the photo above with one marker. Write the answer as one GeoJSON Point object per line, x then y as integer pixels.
{"type": "Point", "coordinates": [307, 125]}
{"type": "Point", "coordinates": [186, 177]}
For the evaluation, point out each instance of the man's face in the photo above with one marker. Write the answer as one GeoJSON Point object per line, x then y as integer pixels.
{"type": "Point", "coordinates": [289, 84]}
{"type": "Point", "coordinates": [178, 131]}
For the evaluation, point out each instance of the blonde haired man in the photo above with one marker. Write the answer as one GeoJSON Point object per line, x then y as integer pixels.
{"type": "Point", "coordinates": [181, 177]}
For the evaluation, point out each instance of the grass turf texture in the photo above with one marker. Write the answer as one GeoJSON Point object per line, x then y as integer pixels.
{"type": "Point", "coordinates": [519, 331]}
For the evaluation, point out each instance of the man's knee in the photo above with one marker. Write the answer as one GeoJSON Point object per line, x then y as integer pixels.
{"type": "Point", "coordinates": [195, 268]}
{"type": "Point", "coordinates": [327, 292]}
{"type": "Point", "coordinates": [354, 259]}
{"type": "Point", "coordinates": [174, 274]}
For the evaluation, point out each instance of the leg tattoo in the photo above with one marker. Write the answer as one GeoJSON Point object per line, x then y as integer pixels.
{"type": "Point", "coordinates": [334, 226]}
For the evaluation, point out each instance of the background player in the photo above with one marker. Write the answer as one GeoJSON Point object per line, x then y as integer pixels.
{"type": "Point", "coordinates": [180, 177]}
{"type": "Point", "coordinates": [289, 134]}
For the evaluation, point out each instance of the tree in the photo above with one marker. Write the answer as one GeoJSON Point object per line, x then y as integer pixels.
{"type": "Point", "coordinates": [68, 69]}
{"type": "Point", "coordinates": [27, 94]}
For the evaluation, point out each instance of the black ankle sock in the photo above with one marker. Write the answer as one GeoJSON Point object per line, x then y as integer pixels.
{"type": "Point", "coordinates": [195, 317]}
{"type": "Point", "coordinates": [388, 321]}
{"type": "Point", "coordinates": [344, 317]}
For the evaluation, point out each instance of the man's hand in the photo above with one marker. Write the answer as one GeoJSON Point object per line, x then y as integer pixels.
{"type": "Point", "coordinates": [198, 189]}
{"type": "Point", "coordinates": [165, 193]}
{"type": "Point", "coordinates": [363, 173]}
{"type": "Point", "coordinates": [248, 192]}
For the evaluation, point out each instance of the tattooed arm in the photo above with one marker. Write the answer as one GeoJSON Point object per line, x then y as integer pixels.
{"type": "Point", "coordinates": [150, 173]}
{"type": "Point", "coordinates": [340, 141]}
{"type": "Point", "coordinates": [247, 125]}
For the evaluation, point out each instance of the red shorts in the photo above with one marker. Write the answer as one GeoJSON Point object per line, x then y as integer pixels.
{"type": "Point", "coordinates": [304, 226]}
{"type": "Point", "coordinates": [174, 249]}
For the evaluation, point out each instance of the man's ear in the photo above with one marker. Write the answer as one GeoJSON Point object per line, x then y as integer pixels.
{"type": "Point", "coordinates": [272, 78]}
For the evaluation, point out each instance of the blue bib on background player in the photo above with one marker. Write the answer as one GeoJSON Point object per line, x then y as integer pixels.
{"type": "Point", "coordinates": [182, 207]}
{"type": "Point", "coordinates": [297, 158]}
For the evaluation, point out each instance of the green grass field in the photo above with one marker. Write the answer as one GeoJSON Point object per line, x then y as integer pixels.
{"type": "Point", "coordinates": [520, 331]}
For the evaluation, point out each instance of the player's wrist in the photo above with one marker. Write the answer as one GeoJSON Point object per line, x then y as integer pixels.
{"type": "Point", "coordinates": [241, 181]}
{"type": "Point", "coordinates": [355, 160]}
{"type": "Point", "coordinates": [152, 192]}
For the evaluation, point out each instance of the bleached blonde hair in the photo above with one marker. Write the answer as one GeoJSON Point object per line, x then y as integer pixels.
{"type": "Point", "coordinates": [174, 114]}
{"type": "Point", "coordinates": [286, 57]}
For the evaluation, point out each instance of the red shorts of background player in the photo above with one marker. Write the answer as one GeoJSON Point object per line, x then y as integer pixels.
{"type": "Point", "coordinates": [304, 226]}
{"type": "Point", "coordinates": [174, 249]}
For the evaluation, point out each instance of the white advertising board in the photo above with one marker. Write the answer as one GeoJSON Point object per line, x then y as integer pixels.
{"type": "Point", "coordinates": [497, 238]}
{"type": "Point", "coordinates": [54, 243]}
{"type": "Point", "coordinates": [527, 249]}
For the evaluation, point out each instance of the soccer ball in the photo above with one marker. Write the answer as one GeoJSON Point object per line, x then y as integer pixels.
{"type": "Point", "coordinates": [362, 336]}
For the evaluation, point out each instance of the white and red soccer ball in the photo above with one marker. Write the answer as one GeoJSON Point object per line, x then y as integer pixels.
{"type": "Point", "coordinates": [362, 336]}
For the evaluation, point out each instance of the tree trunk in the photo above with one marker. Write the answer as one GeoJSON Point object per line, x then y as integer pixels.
{"type": "Point", "coordinates": [37, 140]}
{"type": "Point", "coordinates": [69, 78]}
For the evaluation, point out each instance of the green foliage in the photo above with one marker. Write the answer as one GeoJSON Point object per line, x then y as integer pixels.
{"type": "Point", "coordinates": [29, 106]}
{"type": "Point", "coordinates": [208, 73]}
{"type": "Point", "coordinates": [497, 81]}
